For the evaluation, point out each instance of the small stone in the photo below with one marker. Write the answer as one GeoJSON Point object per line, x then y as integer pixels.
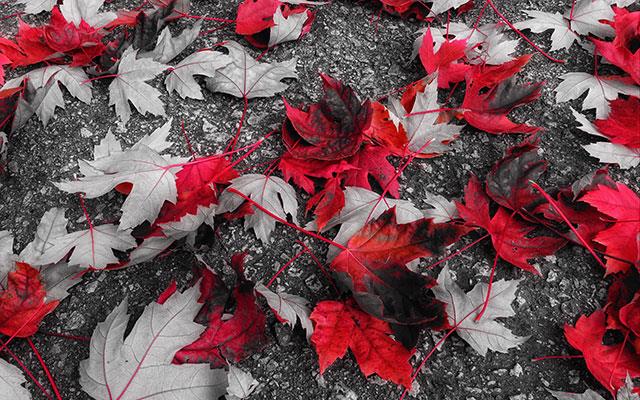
{"type": "Point", "coordinates": [516, 370]}
{"type": "Point", "coordinates": [75, 321]}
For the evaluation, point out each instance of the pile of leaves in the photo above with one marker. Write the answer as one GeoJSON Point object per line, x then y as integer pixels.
{"type": "Point", "coordinates": [347, 155]}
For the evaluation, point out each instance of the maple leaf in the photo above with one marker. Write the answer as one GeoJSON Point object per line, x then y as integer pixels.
{"type": "Point", "coordinates": [6, 256]}
{"type": "Point", "coordinates": [288, 308]}
{"type": "Point", "coordinates": [247, 78]}
{"type": "Point", "coordinates": [624, 393]}
{"type": "Point", "coordinates": [562, 36]}
{"type": "Point", "coordinates": [23, 304]}
{"type": "Point", "coordinates": [271, 192]}
{"type": "Point", "coordinates": [607, 152]}
{"type": "Point", "coordinates": [587, 15]}
{"type": "Point", "coordinates": [48, 96]}
{"type": "Point", "coordinates": [621, 126]}
{"type": "Point", "coordinates": [442, 209]}
{"type": "Point", "coordinates": [341, 326]}
{"type": "Point", "coordinates": [508, 233]}
{"type": "Point", "coordinates": [289, 27]}
{"type": "Point", "coordinates": [608, 363]}
{"type": "Point", "coordinates": [255, 16]}
{"type": "Point", "coordinates": [360, 206]}
{"type": "Point", "coordinates": [488, 110]}
{"type": "Point", "coordinates": [77, 11]}
{"type": "Point", "coordinates": [204, 63]}
{"type": "Point", "coordinates": [371, 161]}
{"type": "Point", "coordinates": [508, 182]}
{"type": "Point", "coordinates": [140, 365]}
{"type": "Point", "coordinates": [601, 90]}
{"type": "Point", "coordinates": [12, 381]}
{"type": "Point", "coordinates": [241, 384]}
{"type": "Point", "coordinates": [4, 60]}
{"type": "Point", "coordinates": [129, 86]}
{"type": "Point", "coordinates": [151, 175]}
{"type": "Point", "coordinates": [622, 238]}
{"type": "Point", "coordinates": [373, 267]}
{"type": "Point", "coordinates": [57, 278]}
{"type": "Point", "coordinates": [328, 202]}
{"type": "Point", "coordinates": [37, 6]}
{"type": "Point", "coordinates": [331, 129]}
{"type": "Point", "coordinates": [301, 171]}
{"type": "Point", "coordinates": [226, 338]}
{"type": "Point", "coordinates": [169, 47]}
{"type": "Point", "coordinates": [487, 333]}
{"type": "Point", "coordinates": [424, 132]}
{"type": "Point", "coordinates": [440, 6]}
{"type": "Point", "coordinates": [444, 61]}
{"type": "Point", "coordinates": [622, 51]}
{"type": "Point", "coordinates": [91, 247]}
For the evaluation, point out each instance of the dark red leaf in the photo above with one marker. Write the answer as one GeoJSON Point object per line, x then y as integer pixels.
{"type": "Point", "coordinates": [327, 203]}
{"type": "Point", "coordinates": [622, 125]}
{"type": "Point", "coordinates": [445, 60]}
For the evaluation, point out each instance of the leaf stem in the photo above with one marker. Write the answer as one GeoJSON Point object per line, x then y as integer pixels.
{"type": "Point", "coordinates": [45, 369]}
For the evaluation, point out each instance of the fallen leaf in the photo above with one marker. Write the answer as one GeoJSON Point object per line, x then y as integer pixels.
{"type": "Point", "coordinates": [241, 384]}
{"type": "Point", "coordinates": [288, 308]}
{"type": "Point", "coordinates": [341, 326]}
{"type": "Point", "coordinates": [140, 365]}
{"type": "Point", "coordinates": [203, 63]}
{"type": "Point", "coordinates": [12, 381]}
{"type": "Point", "coordinates": [77, 11]}
{"type": "Point", "coordinates": [271, 192]}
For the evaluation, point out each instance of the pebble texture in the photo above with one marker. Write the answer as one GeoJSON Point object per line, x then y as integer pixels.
{"type": "Point", "coordinates": [374, 59]}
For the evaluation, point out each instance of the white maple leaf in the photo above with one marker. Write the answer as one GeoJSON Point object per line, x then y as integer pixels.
{"type": "Point", "coordinates": [288, 307]}
{"type": "Point", "coordinates": [271, 192]}
{"type": "Point", "coordinates": [599, 91]}
{"type": "Point", "coordinates": [587, 15]}
{"type": "Point", "coordinates": [620, 3]}
{"type": "Point", "coordinates": [246, 77]}
{"type": "Point", "coordinates": [91, 247]}
{"type": "Point", "coordinates": [440, 6]}
{"type": "Point", "coordinates": [486, 334]}
{"type": "Point", "coordinates": [241, 384]}
{"type": "Point", "coordinates": [11, 381]}
{"type": "Point", "coordinates": [423, 133]}
{"type": "Point", "coordinates": [6, 256]}
{"type": "Point", "coordinates": [624, 393]}
{"type": "Point", "coordinates": [37, 6]}
{"type": "Point", "coordinates": [77, 11]}
{"type": "Point", "coordinates": [562, 36]}
{"type": "Point", "coordinates": [204, 63]}
{"type": "Point", "coordinates": [190, 222]}
{"type": "Point", "coordinates": [152, 176]}
{"type": "Point", "coordinates": [149, 249]}
{"type": "Point", "coordinates": [286, 29]}
{"type": "Point", "coordinates": [59, 277]}
{"type": "Point", "coordinates": [129, 86]}
{"type": "Point", "coordinates": [362, 205]}
{"type": "Point", "coordinates": [140, 366]}
{"type": "Point", "coordinates": [606, 152]}
{"type": "Point", "coordinates": [443, 210]}
{"type": "Point", "coordinates": [168, 46]}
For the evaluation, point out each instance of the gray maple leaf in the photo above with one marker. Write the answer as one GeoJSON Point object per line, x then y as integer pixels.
{"type": "Point", "coordinates": [246, 77]}
{"type": "Point", "coordinates": [288, 307]}
{"type": "Point", "coordinates": [140, 366]}
{"type": "Point", "coordinates": [241, 384]}
{"type": "Point", "coordinates": [562, 36]}
{"type": "Point", "coordinates": [486, 334]}
{"type": "Point", "coordinates": [624, 393]}
{"type": "Point", "coordinates": [37, 6]}
{"type": "Point", "coordinates": [271, 192]}
{"type": "Point", "coordinates": [168, 47]}
{"type": "Point", "coordinates": [77, 11]}
{"type": "Point", "coordinates": [12, 381]}
{"type": "Point", "coordinates": [129, 86]}
{"type": "Point", "coordinates": [204, 63]}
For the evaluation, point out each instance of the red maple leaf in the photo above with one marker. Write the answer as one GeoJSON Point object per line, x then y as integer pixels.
{"type": "Point", "coordinates": [622, 237]}
{"type": "Point", "coordinates": [492, 93]}
{"type": "Point", "coordinates": [255, 16]}
{"type": "Point", "coordinates": [373, 267]}
{"type": "Point", "coordinates": [23, 304]}
{"type": "Point", "coordinates": [342, 326]}
{"type": "Point", "coordinates": [196, 186]}
{"type": "Point", "coordinates": [226, 339]}
{"type": "Point", "coordinates": [622, 125]}
{"type": "Point", "coordinates": [53, 41]}
{"type": "Point", "coordinates": [609, 364]}
{"type": "Point", "coordinates": [384, 131]}
{"type": "Point", "coordinates": [508, 232]}
{"type": "Point", "coordinates": [372, 161]}
{"type": "Point", "coordinates": [329, 130]}
{"type": "Point", "coordinates": [302, 171]}
{"type": "Point", "coordinates": [328, 202]}
{"type": "Point", "coordinates": [623, 50]}
{"type": "Point", "coordinates": [444, 61]}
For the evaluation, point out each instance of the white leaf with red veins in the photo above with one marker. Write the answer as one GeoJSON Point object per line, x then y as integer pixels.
{"type": "Point", "coordinates": [129, 86]}
{"type": "Point", "coordinates": [11, 381]}
{"type": "Point", "coordinates": [168, 47]}
{"type": "Point", "coordinates": [286, 29]}
{"type": "Point", "coordinates": [77, 11]}
{"type": "Point", "coordinates": [241, 384]}
{"type": "Point", "coordinates": [37, 6]}
{"type": "Point", "coordinates": [246, 77]}
{"type": "Point", "coordinates": [271, 192]}
{"type": "Point", "coordinates": [562, 36]}
{"type": "Point", "coordinates": [140, 366]}
{"type": "Point", "coordinates": [440, 6]}
{"type": "Point", "coordinates": [599, 91]}
{"type": "Point", "coordinates": [587, 15]}
{"type": "Point", "coordinates": [462, 309]}
{"type": "Point", "coordinates": [152, 176]}
{"type": "Point", "coordinates": [204, 63]}
{"type": "Point", "coordinates": [288, 307]}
